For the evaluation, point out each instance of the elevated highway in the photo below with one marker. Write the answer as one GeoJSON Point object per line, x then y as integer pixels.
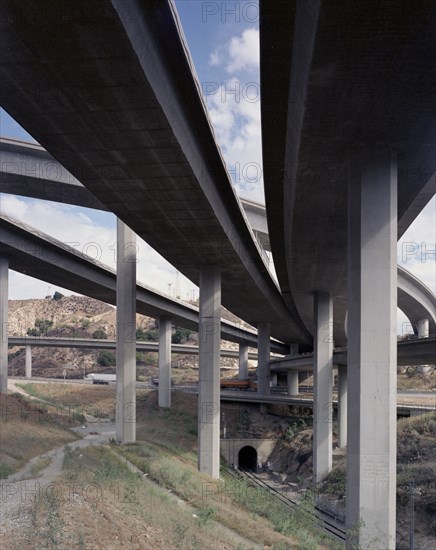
{"type": "Point", "coordinates": [308, 130]}
{"type": "Point", "coordinates": [349, 142]}
{"type": "Point", "coordinates": [420, 351]}
{"type": "Point", "coordinates": [403, 409]}
{"type": "Point", "coordinates": [416, 301]}
{"type": "Point", "coordinates": [349, 160]}
{"type": "Point", "coordinates": [138, 138]}
{"type": "Point", "coordinates": [27, 169]}
{"type": "Point", "coordinates": [36, 254]}
{"type": "Point", "coordinates": [91, 343]}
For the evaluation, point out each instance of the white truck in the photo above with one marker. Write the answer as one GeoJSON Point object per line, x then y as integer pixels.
{"type": "Point", "coordinates": [101, 378]}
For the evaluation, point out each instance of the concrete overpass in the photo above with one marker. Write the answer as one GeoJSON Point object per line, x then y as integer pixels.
{"type": "Point", "coordinates": [34, 253]}
{"type": "Point", "coordinates": [93, 343]}
{"type": "Point", "coordinates": [344, 107]}
{"type": "Point", "coordinates": [420, 351]}
{"type": "Point", "coordinates": [247, 397]}
{"type": "Point", "coordinates": [349, 142]}
{"type": "Point", "coordinates": [122, 111]}
{"type": "Point", "coordinates": [417, 302]}
{"type": "Point", "coordinates": [27, 169]}
{"type": "Point", "coordinates": [143, 146]}
{"type": "Point", "coordinates": [30, 342]}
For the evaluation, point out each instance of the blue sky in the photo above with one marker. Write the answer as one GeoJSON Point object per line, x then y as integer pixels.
{"type": "Point", "coordinates": [223, 41]}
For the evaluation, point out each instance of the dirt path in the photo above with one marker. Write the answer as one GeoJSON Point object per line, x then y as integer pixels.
{"type": "Point", "coordinates": [14, 388]}
{"type": "Point", "coordinates": [19, 491]}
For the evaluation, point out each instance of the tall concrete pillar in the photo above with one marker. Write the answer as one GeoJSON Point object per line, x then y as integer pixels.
{"type": "Point", "coordinates": [293, 376]}
{"type": "Point", "coordinates": [372, 349]}
{"type": "Point", "coordinates": [323, 386]}
{"type": "Point", "coordinates": [263, 358]}
{"type": "Point", "coordinates": [164, 362]}
{"type": "Point", "coordinates": [4, 296]}
{"type": "Point", "coordinates": [243, 362]}
{"type": "Point", "coordinates": [209, 372]}
{"type": "Point", "coordinates": [126, 334]}
{"type": "Point", "coordinates": [293, 349]}
{"type": "Point", "coordinates": [292, 379]}
{"type": "Point", "coordinates": [273, 380]}
{"type": "Point", "coordinates": [342, 406]}
{"type": "Point", "coordinates": [423, 328]}
{"type": "Point", "coordinates": [28, 361]}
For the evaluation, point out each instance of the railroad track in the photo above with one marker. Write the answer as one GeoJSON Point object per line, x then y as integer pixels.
{"type": "Point", "coordinates": [326, 522]}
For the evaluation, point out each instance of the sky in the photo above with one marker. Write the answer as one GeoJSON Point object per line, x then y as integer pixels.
{"type": "Point", "coordinates": [223, 38]}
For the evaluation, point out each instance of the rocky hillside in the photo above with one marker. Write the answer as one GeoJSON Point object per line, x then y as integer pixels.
{"type": "Point", "coordinates": [81, 317]}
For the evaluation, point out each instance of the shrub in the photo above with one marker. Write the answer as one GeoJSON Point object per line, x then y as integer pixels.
{"type": "Point", "coordinates": [15, 353]}
{"type": "Point", "coordinates": [106, 359]}
{"type": "Point", "coordinates": [99, 334]}
{"type": "Point", "coordinates": [42, 326]}
{"type": "Point", "coordinates": [151, 335]}
{"type": "Point", "coordinates": [180, 336]}
{"type": "Point", "coordinates": [5, 470]}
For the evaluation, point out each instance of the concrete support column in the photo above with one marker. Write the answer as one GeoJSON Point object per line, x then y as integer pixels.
{"type": "Point", "coordinates": [292, 379]}
{"type": "Point", "coordinates": [423, 328]}
{"type": "Point", "coordinates": [209, 372]}
{"type": "Point", "coordinates": [243, 362]}
{"type": "Point", "coordinates": [164, 362]}
{"type": "Point", "coordinates": [4, 296]}
{"type": "Point", "coordinates": [263, 358]}
{"type": "Point", "coordinates": [293, 349]}
{"type": "Point", "coordinates": [372, 350]}
{"type": "Point", "coordinates": [323, 385]}
{"type": "Point", "coordinates": [28, 361]}
{"type": "Point", "coordinates": [273, 380]}
{"type": "Point", "coordinates": [126, 334]}
{"type": "Point", "coordinates": [342, 406]}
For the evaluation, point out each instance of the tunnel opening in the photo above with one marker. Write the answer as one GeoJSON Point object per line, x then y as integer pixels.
{"type": "Point", "coordinates": [247, 458]}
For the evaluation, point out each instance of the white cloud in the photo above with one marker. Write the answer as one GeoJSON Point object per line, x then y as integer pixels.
{"type": "Point", "coordinates": [239, 54]}
{"type": "Point", "coordinates": [243, 52]}
{"type": "Point", "coordinates": [234, 109]}
{"type": "Point", "coordinates": [215, 58]}
{"type": "Point", "coordinates": [236, 121]}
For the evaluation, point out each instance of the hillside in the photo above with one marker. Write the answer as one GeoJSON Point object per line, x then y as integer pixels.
{"type": "Point", "coordinates": [147, 495]}
{"type": "Point", "coordinates": [83, 317]}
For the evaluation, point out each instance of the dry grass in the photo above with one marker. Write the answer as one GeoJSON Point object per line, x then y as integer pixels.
{"type": "Point", "coordinates": [413, 380]}
{"type": "Point", "coordinates": [28, 430]}
{"type": "Point", "coordinates": [174, 428]}
{"type": "Point", "coordinates": [123, 511]}
{"type": "Point", "coordinates": [95, 400]}
{"type": "Point", "coordinates": [232, 503]}
{"type": "Point", "coordinates": [135, 513]}
{"type": "Point", "coordinates": [40, 465]}
{"type": "Point", "coordinates": [416, 462]}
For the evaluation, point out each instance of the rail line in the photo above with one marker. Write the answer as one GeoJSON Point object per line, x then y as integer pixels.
{"type": "Point", "coordinates": [326, 522]}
